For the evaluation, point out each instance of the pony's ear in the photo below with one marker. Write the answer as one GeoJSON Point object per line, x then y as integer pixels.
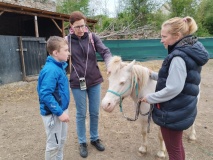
{"type": "Point", "coordinates": [130, 65]}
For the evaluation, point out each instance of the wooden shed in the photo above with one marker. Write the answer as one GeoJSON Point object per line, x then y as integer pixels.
{"type": "Point", "coordinates": [18, 20]}
{"type": "Point", "coordinates": [23, 35]}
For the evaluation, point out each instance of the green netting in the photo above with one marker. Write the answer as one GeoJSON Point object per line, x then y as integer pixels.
{"type": "Point", "coordinates": [146, 49]}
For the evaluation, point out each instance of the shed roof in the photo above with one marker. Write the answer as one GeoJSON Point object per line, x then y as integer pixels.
{"type": "Point", "coordinates": [7, 7]}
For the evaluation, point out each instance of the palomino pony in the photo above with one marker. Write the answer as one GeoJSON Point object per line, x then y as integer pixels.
{"type": "Point", "coordinates": [129, 79]}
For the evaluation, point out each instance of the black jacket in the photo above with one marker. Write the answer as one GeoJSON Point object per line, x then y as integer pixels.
{"type": "Point", "coordinates": [80, 48]}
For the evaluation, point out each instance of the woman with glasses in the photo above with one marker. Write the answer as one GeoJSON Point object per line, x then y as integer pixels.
{"type": "Point", "coordinates": [86, 79]}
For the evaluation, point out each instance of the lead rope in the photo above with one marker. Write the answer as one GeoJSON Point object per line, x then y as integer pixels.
{"type": "Point", "coordinates": [138, 111]}
{"type": "Point", "coordinates": [149, 117]}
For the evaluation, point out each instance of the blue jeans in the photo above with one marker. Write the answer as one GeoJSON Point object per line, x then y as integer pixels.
{"type": "Point", "coordinates": [80, 97]}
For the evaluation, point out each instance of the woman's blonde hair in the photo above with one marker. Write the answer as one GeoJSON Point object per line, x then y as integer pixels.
{"type": "Point", "coordinates": [185, 26]}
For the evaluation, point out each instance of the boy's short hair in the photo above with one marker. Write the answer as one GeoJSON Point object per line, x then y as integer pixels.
{"type": "Point", "coordinates": [55, 43]}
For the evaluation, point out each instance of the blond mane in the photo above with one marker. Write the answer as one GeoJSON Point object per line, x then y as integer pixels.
{"type": "Point", "coordinates": [141, 76]}
{"type": "Point", "coordinates": [115, 64]}
{"type": "Point", "coordinates": [140, 73]}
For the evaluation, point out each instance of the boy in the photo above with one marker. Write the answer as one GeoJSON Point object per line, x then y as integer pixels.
{"type": "Point", "coordinates": [54, 97]}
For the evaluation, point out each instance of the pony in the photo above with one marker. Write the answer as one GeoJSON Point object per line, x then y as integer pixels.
{"type": "Point", "coordinates": [129, 79]}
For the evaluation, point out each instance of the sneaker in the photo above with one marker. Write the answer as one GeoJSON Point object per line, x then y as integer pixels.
{"type": "Point", "coordinates": [98, 145]}
{"type": "Point", "coordinates": [83, 150]}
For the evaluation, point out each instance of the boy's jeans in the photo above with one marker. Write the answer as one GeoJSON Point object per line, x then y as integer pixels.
{"type": "Point", "coordinates": [80, 96]}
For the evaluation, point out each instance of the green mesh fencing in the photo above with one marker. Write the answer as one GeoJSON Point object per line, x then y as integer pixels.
{"type": "Point", "coordinates": [146, 49]}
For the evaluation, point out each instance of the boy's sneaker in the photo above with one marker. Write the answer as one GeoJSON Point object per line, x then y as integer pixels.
{"type": "Point", "coordinates": [83, 150]}
{"type": "Point", "coordinates": [98, 145]}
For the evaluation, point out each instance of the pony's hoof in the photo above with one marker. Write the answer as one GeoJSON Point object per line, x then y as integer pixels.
{"type": "Point", "coordinates": [192, 137]}
{"type": "Point", "coordinates": [142, 150]}
{"type": "Point", "coordinates": [161, 154]}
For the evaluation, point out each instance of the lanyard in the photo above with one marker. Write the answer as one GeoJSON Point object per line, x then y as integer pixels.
{"type": "Point", "coordinates": [86, 60]}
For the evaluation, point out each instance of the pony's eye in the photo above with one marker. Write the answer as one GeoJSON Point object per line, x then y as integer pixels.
{"type": "Point", "coordinates": [121, 83]}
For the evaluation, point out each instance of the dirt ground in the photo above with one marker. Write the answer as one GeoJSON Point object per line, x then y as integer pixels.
{"type": "Point", "coordinates": [22, 135]}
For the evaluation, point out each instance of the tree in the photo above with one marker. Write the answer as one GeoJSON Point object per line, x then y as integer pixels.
{"type": "Point", "coordinates": [139, 11]}
{"type": "Point", "coordinates": [182, 8]}
{"type": "Point", "coordinates": [156, 19]}
{"type": "Point", "coordinates": [68, 6]}
{"type": "Point", "coordinates": [205, 17]}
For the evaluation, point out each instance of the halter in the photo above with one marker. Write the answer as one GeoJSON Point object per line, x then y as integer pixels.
{"type": "Point", "coordinates": [138, 111]}
{"type": "Point", "coordinates": [120, 94]}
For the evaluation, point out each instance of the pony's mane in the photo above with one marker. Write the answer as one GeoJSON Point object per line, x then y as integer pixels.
{"type": "Point", "coordinates": [140, 73]}
{"type": "Point", "coordinates": [115, 64]}
{"type": "Point", "coordinates": [141, 76]}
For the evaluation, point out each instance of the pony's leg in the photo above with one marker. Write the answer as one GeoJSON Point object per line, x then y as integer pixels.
{"type": "Point", "coordinates": [143, 147]}
{"type": "Point", "coordinates": [162, 152]}
{"type": "Point", "coordinates": [192, 135]}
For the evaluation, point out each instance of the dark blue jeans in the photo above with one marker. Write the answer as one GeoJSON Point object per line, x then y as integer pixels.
{"type": "Point", "coordinates": [80, 96]}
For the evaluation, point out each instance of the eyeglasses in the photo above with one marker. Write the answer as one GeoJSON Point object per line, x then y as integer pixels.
{"type": "Point", "coordinates": [78, 27]}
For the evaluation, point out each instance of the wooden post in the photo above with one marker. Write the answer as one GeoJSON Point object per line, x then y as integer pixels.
{"type": "Point", "coordinates": [63, 32]}
{"type": "Point", "coordinates": [22, 59]}
{"type": "Point", "coordinates": [1, 13]}
{"type": "Point", "coordinates": [36, 26]}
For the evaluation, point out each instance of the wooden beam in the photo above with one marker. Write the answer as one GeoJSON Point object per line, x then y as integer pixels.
{"type": "Point", "coordinates": [57, 25]}
{"type": "Point", "coordinates": [63, 31]}
{"type": "Point", "coordinates": [1, 13]}
{"type": "Point", "coordinates": [17, 8]}
{"type": "Point", "coordinates": [22, 59]}
{"type": "Point", "coordinates": [32, 13]}
{"type": "Point", "coordinates": [67, 26]}
{"type": "Point", "coordinates": [38, 12]}
{"type": "Point", "coordinates": [36, 26]}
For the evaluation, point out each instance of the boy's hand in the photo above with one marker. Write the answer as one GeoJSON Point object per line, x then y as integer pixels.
{"type": "Point", "coordinates": [64, 117]}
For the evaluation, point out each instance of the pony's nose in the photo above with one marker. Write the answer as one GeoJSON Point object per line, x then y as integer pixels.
{"type": "Point", "coordinates": [106, 106]}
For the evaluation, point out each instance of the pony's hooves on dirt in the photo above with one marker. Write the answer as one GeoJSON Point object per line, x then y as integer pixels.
{"type": "Point", "coordinates": [161, 154]}
{"type": "Point", "coordinates": [192, 138]}
{"type": "Point", "coordinates": [143, 150]}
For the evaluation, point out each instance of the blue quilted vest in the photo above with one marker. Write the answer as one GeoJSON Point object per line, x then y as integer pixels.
{"type": "Point", "coordinates": [180, 112]}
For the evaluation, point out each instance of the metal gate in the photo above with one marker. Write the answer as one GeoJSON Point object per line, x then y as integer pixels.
{"type": "Point", "coordinates": [33, 56]}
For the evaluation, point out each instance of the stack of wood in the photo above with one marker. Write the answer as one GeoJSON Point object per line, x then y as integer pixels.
{"type": "Point", "coordinates": [145, 32]}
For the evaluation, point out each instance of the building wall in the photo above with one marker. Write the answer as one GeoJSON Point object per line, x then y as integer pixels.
{"type": "Point", "coordinates": [49, 5]}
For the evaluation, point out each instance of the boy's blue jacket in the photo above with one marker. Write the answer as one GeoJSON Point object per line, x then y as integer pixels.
{"type": "Point", "coordinates": [53, 88]}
